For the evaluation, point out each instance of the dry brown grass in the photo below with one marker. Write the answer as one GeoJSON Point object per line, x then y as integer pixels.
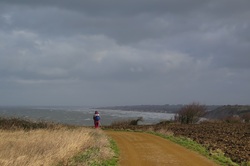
{"type": "Point", "coordinates": [49, 147]}
{"type": "Point", "coordinates": [165, 132]}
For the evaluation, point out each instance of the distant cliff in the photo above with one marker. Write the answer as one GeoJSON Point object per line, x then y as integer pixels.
{"type": "Point", "coordinates": [167, 108]}
{"type": "Point", "coordinates": [227, 111]}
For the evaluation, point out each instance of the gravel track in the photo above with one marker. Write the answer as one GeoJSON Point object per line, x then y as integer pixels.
{"type": "Point", "coordinates": [149, 150]}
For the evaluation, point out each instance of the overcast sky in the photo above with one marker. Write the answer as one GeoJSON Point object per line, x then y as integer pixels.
{"type": "Point", "coordinates": [111, 52]}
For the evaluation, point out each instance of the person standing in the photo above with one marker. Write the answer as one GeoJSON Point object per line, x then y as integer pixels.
{"type": "Point", "coordinates": [96, 118]}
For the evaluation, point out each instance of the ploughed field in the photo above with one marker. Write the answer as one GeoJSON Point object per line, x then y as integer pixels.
{"type": "Point", "coordinates": [231, 138]}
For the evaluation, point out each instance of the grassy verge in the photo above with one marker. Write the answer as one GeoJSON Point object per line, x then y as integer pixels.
{"type": "Point", "coordinates": [26, 142]}
{"type": "Point", "coordinates": [89, 157]}
{"type": "Point", "coordinates": [216, 156]}
{"type": "Point", "coordinates": [114, 160]}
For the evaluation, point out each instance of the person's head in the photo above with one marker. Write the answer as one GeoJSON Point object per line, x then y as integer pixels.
{"type": "Point", "coordinates": [96, 112]}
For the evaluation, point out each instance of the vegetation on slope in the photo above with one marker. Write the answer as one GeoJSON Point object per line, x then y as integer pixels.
{"type": "Point", "coordinates": [25, 142]}
{"type": "Point", "coordinates": [230, 112]}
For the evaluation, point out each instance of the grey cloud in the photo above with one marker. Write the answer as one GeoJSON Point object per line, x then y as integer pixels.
{"type": "Point", "coordinates": [139, 21]}
{"type": "Point", "coordinates": [112, 6]}
{"type": "Point", "coordinates": [124, 51]}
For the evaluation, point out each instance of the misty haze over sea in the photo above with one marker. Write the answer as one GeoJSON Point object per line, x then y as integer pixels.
{"type": "Point", "coordinates": [79, 115]}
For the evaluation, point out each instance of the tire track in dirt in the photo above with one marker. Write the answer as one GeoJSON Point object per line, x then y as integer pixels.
{"type": "Point", "coordinates": [149, 150]}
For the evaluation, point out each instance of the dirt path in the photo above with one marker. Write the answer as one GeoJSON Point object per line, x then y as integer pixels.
{"type": "Point", "coordinates": [142, 149]}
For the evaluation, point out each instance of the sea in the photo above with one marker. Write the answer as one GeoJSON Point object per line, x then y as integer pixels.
{"type": "Point", "coordinates": [82, 116]}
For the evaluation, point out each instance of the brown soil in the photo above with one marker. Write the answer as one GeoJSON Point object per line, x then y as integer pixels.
{"type": "Point", "coordinates": [232, 139]}
{"type": "Point", "coordinates": [147, 149]}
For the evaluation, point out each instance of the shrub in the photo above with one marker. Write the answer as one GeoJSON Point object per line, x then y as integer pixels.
{"type": "Point", "coordinates": [26, 124]}
{"type": "Point", "coordinates": [135, 122]}
{"type": "Point", "coordinates": [246, 117]}
{"type": "Point", "coordinates": [233, 119]}
{"type": "Point", "coordinates": [127, 122]}
{"type": "Point", "coordinates": [190, 113]}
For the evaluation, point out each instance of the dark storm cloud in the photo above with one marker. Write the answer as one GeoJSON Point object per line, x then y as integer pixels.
{"type": "Point", "coordinates": [121, 51]}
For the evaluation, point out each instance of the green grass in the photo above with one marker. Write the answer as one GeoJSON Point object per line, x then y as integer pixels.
{"type": "Point", "coordinates": [85, 157]}
{"type": "Point", "coordinates": [217, 155]}
{"type": "Point", "coordinates": [114, 160]}
{"type": "Point", "coordinates": [88, 157]}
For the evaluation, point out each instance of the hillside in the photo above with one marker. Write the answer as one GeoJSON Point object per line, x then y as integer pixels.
{"type": "Point", "coordinates": [228, 111]}
{"type": "Point", "coordinates": [167, 108]}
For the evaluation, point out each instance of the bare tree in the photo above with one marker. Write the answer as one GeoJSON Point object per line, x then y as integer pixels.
{"type": "Point", "coordinates": [190, 113]}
